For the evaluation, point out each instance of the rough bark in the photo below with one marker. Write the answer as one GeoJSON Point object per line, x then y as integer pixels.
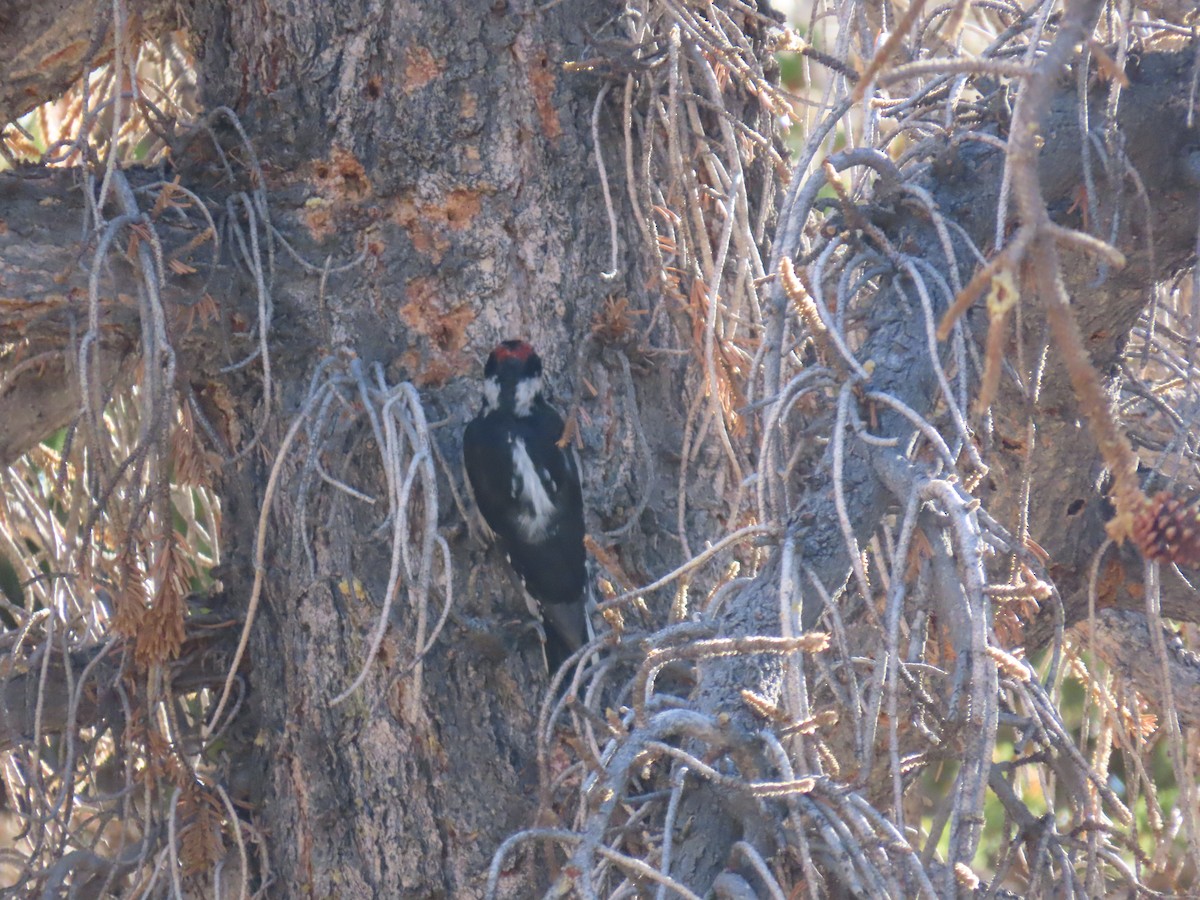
{"type": "Point", "coordinates": [44, 308]}
{"type": "Point", "coordinates": [46, 46]}
{"type": "Point", "coordinates": [1120, 637]}
{"type": "Point", "coordinates": [449, 138]}
{"type": "Point", "coordinates": [447, 144]}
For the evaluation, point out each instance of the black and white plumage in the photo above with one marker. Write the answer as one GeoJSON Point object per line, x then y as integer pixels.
{"type": "Point", "coordinates": [527, 488]}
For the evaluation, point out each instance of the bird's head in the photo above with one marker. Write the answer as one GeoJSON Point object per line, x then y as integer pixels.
{"type": "Point", "coordinates": [512, 378]}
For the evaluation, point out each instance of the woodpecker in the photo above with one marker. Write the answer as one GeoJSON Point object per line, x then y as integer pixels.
{"type": "Point", "coordinates": [527, 488]}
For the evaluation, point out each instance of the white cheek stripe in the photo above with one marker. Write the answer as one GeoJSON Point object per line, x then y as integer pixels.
{"type": "Point", "coordinates": [537, 509]}
{"type": "Point", "coordinates": [491, 393]}
{"type": "Point", "coordinates": [527, 391]}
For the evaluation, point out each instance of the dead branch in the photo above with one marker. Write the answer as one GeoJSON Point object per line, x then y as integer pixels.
{"type": "Point", "coordinates": [44, 48]}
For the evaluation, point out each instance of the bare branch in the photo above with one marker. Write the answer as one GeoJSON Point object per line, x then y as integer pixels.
{"type": "Point", "coordinates": [45, 48]}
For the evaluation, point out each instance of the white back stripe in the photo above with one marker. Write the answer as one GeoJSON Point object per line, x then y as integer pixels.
{"type": "Point", "coordinates": [536, 507]}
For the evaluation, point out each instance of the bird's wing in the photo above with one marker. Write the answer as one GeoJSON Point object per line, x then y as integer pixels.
{"type": "Point", "coordinates": [488, 472]}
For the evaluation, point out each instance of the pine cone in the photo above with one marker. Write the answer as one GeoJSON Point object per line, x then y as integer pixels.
{"type": "Point", "coordinates": [1168, 529]}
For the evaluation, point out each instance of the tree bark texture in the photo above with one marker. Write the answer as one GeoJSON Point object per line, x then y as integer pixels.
{"type": "Point", "coordinates": [429, 131]}
{"type": "Point", "coordinates": [450, 140]}
{"type": "Point", "coordinates": [446, 152]}
{"type": "Point", "coordinates": [46, 46]}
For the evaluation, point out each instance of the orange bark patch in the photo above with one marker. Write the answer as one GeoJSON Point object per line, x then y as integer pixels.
{"type": "Point", "coordinates": [426, 371]}
{"type": "Point", "coordinates": [340, 185]}
{"type": "Point", "coordinates": [425, 236]}
{"type": "Point", "coordinates": [318, 219]}
{"type": "Point", "coordinates": [461, 207]}
{"type": "Point", "coordinates": [420, 68]}
{"type": "Point", "coordinates": [427, 224]}
{"type": "Point", "coordinates": [341, 177]}
{"type": "Point", "coordinates": [73, 51]}
{"type": "Point", "coordinates": [542, 79]}
{"type": "Point", "coordinates": [468, 105]}
{"type": "Point", "coordinates": [428, 313]}
{"type": "Point", "coordinates": [422, 295]}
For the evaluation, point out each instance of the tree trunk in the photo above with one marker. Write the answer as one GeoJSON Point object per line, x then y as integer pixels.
{"type": "Point", "coordinates": [448, 143]}
{"type": "Point", "coordinates": [395, 188]}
